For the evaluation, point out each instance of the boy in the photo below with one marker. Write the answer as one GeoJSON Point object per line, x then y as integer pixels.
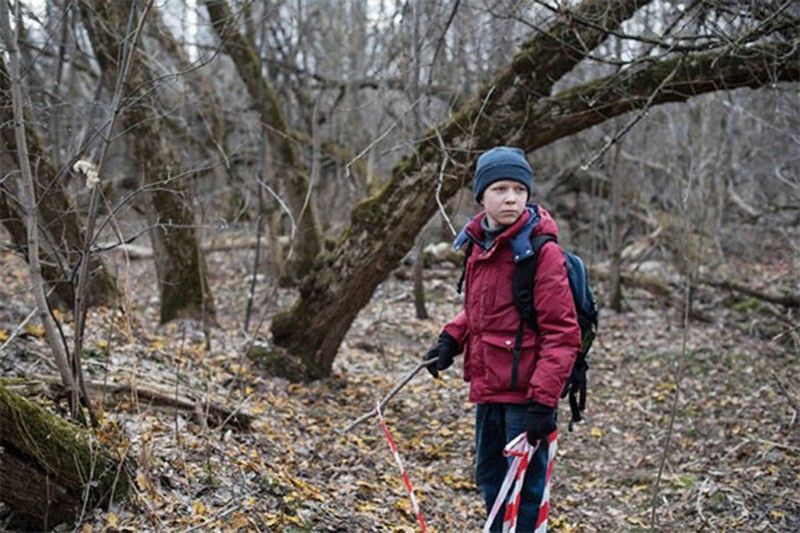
{"type": "Point", "coordinates": [514, 392]}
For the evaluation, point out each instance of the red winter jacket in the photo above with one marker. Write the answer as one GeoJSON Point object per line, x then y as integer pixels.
{"type": "Point", "coordinates": [487, 326]}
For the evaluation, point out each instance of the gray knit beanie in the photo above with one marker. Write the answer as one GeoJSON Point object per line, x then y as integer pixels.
{"type": "Point", "coordinates": [501, 163]}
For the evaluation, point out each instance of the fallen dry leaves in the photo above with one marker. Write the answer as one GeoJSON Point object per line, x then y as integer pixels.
{"type": "Point", "coordinates": [733, 463]}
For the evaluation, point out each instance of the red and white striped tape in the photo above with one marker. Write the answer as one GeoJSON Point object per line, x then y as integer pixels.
{"type": "Point", "coordinates": [522, 452]}
{"type": "Point", "coordinates": [544, 506]}
{"type": "Point", "coordinates": [399, 461]}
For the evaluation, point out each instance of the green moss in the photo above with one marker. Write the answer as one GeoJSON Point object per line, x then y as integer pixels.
{"type": "Point", "coordinates": [10, 382]}
{"type": "Point", "coordinates": [277, 362]}
{"type": "Point", "coordinates": [464, 116]}
{"type": "Point", "coordinates": [747, 306]}
{"type": "Point", "coordinates": [329, 244]}
{"type": "Point", "coordinates": [92, 354]}
{"type": "Point", "coordinates": [368, 212]}
{"type": "Point", "coordinates": [64, 451]}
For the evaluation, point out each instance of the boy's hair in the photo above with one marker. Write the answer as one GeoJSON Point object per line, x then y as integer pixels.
{"type": "Point", "coordinates": [501, 163]}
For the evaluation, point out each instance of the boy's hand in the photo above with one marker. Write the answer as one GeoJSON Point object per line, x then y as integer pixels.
{"type": "Point", "coordinates": [445, 350]}
{"type": "Point", "coordinates": [540, 422]}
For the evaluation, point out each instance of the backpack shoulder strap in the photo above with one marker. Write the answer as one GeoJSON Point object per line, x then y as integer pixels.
{"type": "Point", "coordinates": [467, 253]}
{"type": "Point", "coordinates": [522, 292]}
{"type": "Point", "coordinates": [522, 283]}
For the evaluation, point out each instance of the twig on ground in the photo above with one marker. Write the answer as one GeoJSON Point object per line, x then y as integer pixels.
{"type": "Point", "coordinates": [787, 447]}
{"type": "Point", "coordinates": [788, 396]}
{"type": "Point", "coordinates": [773, 339]}
{"type": "Point", "coordinates": [18, 329]}
{"type": "Point", "coordinates": [699, 500]}
{"type": "Point", "coordinates": [152, 396]}
{"type": "Point", "coordinates": [222, 513]}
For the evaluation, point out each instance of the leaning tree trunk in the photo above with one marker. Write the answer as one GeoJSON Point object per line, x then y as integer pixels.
{"type": "Point", "coordinates": [180, 263]}
{"type": "Point", "coordinates": [50, 469]}
{"type": "Point", "coordinates": [509, 111]}
{"type": "Point", "coordinates": [207, 105]}
{"type": "Point", "coordinates": [383, 227]}
{"type": "Point", "coordinates": [295, 179]}
{"type": "Point", "coordinates": [60, 223]}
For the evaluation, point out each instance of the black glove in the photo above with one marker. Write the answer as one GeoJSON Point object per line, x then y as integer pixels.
{"type": "Point", "coordinates": [577, 378]}
{"type": "Point", "coordinates": [445, 350]}
{"type": "Point", "coordinates": [539, 422]}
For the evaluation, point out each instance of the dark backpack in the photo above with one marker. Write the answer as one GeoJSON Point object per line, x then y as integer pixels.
{"type": "Point", "coordinates": [582, 295]}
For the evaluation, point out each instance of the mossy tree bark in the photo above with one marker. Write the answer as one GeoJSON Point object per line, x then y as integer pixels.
{"type": "Point", "coordinates": [383, 228]}
{"type": "Point", "coordinates": [49, 468]}
{"type": "Point", "coordinates": [60, 223]}
{"type": "Point", "coordinates": [180, 263]}
{"type": "Point", "coordinates": [514, 109]}
{"type": "Point", "coordinates": [294, 176]}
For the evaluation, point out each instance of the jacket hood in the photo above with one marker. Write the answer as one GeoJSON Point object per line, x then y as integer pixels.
{"type": "Point", "coordinates": [535, 220]}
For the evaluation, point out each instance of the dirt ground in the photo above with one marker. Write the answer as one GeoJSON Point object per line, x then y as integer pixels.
{"type": "Point", "coordinates": [733, 462]}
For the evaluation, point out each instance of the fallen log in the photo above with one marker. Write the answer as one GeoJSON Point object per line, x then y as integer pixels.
{"type": "Point", "coordinates": [792, 301]}
{"type": "Point", "coordinates": [137, 252]}
{"type": "Point", "coordinates": [657, 288]}
{"type": "Point", "coordinates": [217, 414]}
{"type": "Point", "coordinates": [112, 394]}
{"type": "Point", "coordinates": [52, 470]}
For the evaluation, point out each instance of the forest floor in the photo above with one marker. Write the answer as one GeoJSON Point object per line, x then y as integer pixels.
{"type": "Point", "coordinates": [733, 462]}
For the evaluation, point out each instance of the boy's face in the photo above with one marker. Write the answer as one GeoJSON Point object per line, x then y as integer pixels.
{"type": "Point", "coordinates": [504, 202]}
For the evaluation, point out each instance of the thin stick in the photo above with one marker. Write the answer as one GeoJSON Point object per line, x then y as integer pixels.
{"type": "Point", "coordinates": [256, 260]}
{"type": "Point", "coordinates": [28, 193]}
{"type": "Point", "coordinates": [440, 182]}
{"type": "Point", "coordinates": [385, 400]}
{"type": "Point", "coordinates": [674, 409]}
{"type": "Point", "coordinates": [81, 305]}
{"type": "Point", "coordinates": [18, 329]}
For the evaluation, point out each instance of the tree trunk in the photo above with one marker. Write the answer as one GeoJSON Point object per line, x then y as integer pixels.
{"type": "Point", "coordinates": [180, 264]}
{"type": "Point", "coordinates": [617, 221]}
{"type": "Point", "coordinates": [60, 224]}
{"type": "Point", "coordinates": [414, 94]}
{"type": "Point", "coordinates": [510, 111]}
{"type": "Point", "coordinates": [383, 227]}
{"type": "Point", "coordinates": [617, 218]}
{"type": "Point", "coordinates": [49, 467]}
{"type": "Point", "coordinates": [419, 282]}
{"type": "Point", "coordinates": [52, 266]}
{"type": "Point", "coordinates": [616, 245]}
{"type": "Point", "coordinates": [207, 105]}
{"type": "Point", "coordinates": [295, 180]}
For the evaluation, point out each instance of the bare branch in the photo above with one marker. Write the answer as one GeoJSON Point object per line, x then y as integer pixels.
{"type": "Point", "coordinates": [30, 203]}
{"type": "Point", "coordinates": [687, 76]}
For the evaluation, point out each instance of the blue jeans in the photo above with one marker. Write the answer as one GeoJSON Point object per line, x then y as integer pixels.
{"type": "Point", "coordinates": [497, 424]}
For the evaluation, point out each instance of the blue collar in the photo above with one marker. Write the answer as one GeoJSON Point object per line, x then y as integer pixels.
{"type": "Point", "coordinates": [520, 243]}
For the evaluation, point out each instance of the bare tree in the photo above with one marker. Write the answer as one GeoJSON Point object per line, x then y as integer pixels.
{"type": "Point", "coordinates": [60, 224]}
{"type": "Point", "coordinates": [415, 94]}
{"type": "Point", "coordinates": [180, 264]}
{"type": "Point", "coordinates": [29, 202]}
{"type": "Point", "coordinates": [515, 108]}
{"type": "Point", "coordinates": [293, 174]}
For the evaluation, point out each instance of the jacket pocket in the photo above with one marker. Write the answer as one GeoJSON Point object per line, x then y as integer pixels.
{"type": "Point", "coordinates": [499, 362]}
